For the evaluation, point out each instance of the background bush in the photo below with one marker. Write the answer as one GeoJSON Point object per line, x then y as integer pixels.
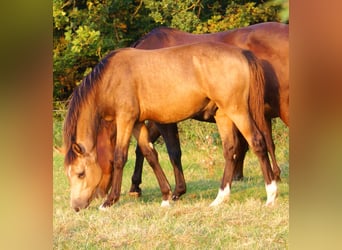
{"type": "Point", "coordinates": [84, 31]}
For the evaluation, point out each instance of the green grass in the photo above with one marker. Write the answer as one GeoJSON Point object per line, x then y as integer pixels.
{"type": "Point", "coordinates": [243, 222]}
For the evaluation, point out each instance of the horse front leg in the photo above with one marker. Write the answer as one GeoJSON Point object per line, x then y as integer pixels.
{"type": "Point", "coordinates": [123, 135]}
{"type": "Point", "coordinates": [229, 143]}
{"type": "Point", "coordinates": [135, 190]}
{"type": "Point", "coordinates": [171, 138]}
{"type": "Point", "coordinates": [141, 134]}
{"type": "Point", "coordinates": [105, 150]}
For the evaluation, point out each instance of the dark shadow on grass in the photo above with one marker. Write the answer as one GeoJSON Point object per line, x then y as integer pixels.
{"type": "Point", "coordinates": [249, 187]}
{"type": "Point", "coordinates": [197, 190]}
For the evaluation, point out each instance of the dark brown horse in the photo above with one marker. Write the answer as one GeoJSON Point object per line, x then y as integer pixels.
{"type": "Point", "coordinates": [186, 80]}
{"type": "Point", "coordinates": [269, 42]}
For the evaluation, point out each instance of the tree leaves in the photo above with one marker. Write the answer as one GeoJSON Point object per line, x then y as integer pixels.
{"type": "Point", "coordinates": [85, 30]}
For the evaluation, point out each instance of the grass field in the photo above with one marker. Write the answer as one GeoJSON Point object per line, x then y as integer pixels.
{"type": "Point", "coordinates": [243, 222]}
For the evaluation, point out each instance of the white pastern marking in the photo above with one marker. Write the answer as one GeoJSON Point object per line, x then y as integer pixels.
{"type": "Point", "coordinates": [165, 203]}
{"type": "Point", "coordinates": [271, 190]}
{"type": "Point", "coordinates": [69, 171]}
{"type": "Point", "coordinates": [150, 144]}
{"type": "Point", "coordinates": [221, 196]}
{"type": "Point", "coordinates": [102, 208]}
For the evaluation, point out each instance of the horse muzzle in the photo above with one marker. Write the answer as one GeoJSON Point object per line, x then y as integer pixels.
{"type": "Point", "coordinates": [77, 205]}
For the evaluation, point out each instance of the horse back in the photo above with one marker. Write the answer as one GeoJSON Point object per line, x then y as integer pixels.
{"type": "Point", "coordinates": [269, 42]}
{"type": "Point", "coordinates": [182, 80]}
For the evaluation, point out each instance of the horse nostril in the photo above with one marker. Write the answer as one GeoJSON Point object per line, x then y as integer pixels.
{"type": "Point", "coordinates": [77, 209]}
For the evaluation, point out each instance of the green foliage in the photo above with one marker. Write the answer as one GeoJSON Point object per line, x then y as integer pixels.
{"type": "Point", "coordinates": [85, 30]}
{"type": "Point", "coordinates": [238, 15]}
{"type": "Point", "coordinates": [59, 112]}
{"type": "Point", "coordinates": [283, 7]}
{"type": "Point", "coordinates": [177, 14]}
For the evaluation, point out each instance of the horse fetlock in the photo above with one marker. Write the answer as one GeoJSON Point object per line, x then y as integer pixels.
{"type": "Point", "coordinates": [176, 195]}
{"type": "Point", "coordinates": [277, 177]}
{"type": "Point", "coordinates": [276, 173]}
{"type": "Point", "coordinates": [106, 204]}
{"type": "Point", "coordinates": [166, 199]}
{"type": "Point", "coordinates": [165, 203]}
{"type": "Point", "coordinates": [223, 194]}
{"type": "Point", "coordinates": [272, 192]}
{"type": "Point", "coordinates": [238, 177]}
{"type": "Point", "coordinates": [135, 191]}
{"type": "Point", "coordinates": [103, 207]}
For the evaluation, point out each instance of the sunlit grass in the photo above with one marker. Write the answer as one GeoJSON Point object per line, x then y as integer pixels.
{"type": "Point", "coordinates": [243, 222]}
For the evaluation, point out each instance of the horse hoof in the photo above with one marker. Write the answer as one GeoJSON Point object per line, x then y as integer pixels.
{"type": "Point", "coordinates": [165, 203]}
{"type": "Point", "coordinates": [175, 197]}
{"type": "Point", "coordinates": [270, 204]}
{"type": "Point", "coordinates": [103, 208]}
{"type": "Point", "coordinates": [106, 205]}
{"type": "Point", "coordinates": [134, 194]}
{"type": "Point", "coordinates": [135, 191]}
{"type": "Point", "coordinates": [223, 195]}
{"type": "Point", "coordinates": [238, 178]}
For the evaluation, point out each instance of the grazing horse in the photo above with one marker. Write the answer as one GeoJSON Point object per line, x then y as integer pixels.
{"type": "Point", "coordinates": [269, 42]}
{"type": "Point", "coordinates": [210, 78]}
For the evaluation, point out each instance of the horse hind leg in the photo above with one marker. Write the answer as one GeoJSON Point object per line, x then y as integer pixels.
{"type": "Point", "coordinates": [257, 143]}
{"type": "Point", "coordinates": [141, 134]}
{"type": "Point", "coordinates": [242, 148]}
{"type": "Point", "coordinates": [271, 146]}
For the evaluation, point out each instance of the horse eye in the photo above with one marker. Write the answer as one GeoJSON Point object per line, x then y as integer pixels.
{"type": "Point", "coordinates": [81, 175]}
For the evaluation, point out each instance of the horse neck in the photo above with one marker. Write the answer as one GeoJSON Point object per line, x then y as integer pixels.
{"type": "Point", "coordinates": [87, 126]}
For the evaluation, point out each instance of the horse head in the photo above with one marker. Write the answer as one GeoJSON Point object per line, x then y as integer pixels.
{"type": "Point", "coordinates": [84, 175]}
{"type": "Point", "coordinates": [88, 175]}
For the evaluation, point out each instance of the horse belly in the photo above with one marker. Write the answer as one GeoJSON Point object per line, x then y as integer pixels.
{"type": "Point", "coordinates": [172, 108]}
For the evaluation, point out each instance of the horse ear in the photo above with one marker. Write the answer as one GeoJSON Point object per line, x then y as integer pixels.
{"type": "Point", "coordinates": [78, 149]}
